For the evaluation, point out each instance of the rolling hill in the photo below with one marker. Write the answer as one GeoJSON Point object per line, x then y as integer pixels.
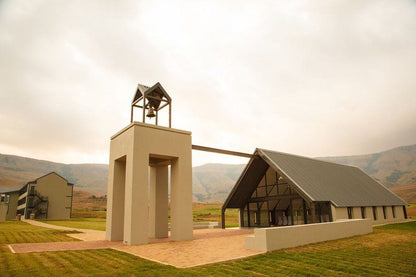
{"type": "Point", "coordinates": [16, 171]}
{"type": "Point", "coordinates": [392, 168]}
{"type": "Point", "coordinates": [211, 182]}
{"type": "Point", "coordinates": [407, 193]}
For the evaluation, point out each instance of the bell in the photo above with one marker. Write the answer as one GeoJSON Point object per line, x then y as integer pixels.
{"type": "Point", "coordinates": [151, 112]}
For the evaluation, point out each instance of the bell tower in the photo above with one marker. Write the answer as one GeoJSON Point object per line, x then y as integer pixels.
{"type": "Point", "coordinates": [141, 157]}
{"type": "Point", "coordinates": [153, 99]}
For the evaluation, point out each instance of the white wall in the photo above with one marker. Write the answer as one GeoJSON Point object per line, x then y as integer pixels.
{"type": "Point", "coordinates": [269, 239]}
{"type": "Point", "coordinates": [342, 213]}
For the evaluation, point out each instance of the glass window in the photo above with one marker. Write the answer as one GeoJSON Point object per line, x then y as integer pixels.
{"type": "Point", "coordinates": [384, 212]}
{"type": "Point", "coordinates": [375, 213]}
{"type": "Point", "coordinates": [363, 215]}
{"type": "Point", "coordinates": [393, 210]}
{"type": "Point", "coordinates": [349, 210]}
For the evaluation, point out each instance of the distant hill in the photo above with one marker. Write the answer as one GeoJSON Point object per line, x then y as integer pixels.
{"type": "Point", "coordinates": [211, 182]}
{"type": "Point", "coordinates": [17, 171]}
{"type": "Point", "coordinates": [395, 167]}
{"type": "Point", "coordinates": [407, 193]}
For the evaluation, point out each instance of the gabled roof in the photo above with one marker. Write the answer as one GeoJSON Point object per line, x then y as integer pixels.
{"type": "Point", "coordinates": [315, 180]}
{"type": "Point", "coordinates": [156, 91]}
{"type": "Point", "coordinates": [24, 187]}
{"type": "Point", "coordinates": [53, 172]}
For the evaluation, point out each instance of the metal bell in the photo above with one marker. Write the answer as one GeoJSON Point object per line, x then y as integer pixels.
{"type": "Point", "coordinates": [151, 112]}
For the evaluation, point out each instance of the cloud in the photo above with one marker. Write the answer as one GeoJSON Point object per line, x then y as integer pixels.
{"type": "Point", "coordinates": [316, 79]}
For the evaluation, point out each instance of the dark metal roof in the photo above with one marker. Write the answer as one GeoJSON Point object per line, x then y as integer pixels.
{"type": "Point", "coordinates": [247, 182]}
{"type": "Point", "coordinates": [318, 180]}
{"type": "Point", "coordinates": [156, 91]}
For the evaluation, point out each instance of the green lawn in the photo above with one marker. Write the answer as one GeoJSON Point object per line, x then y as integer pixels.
{"type": "Point", "coordinates": [389, 251]}
{"type": "Point", "coordinates": [83, 223]}
{"type": "Point", "coordinates": [95, 220]}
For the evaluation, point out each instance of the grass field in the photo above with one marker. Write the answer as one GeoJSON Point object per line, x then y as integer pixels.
{"type": "Point", "coordinates": [95, 220]}
{"type": "Point", "coordinates": [96, 223]}
{"type": "Point", "coordinates": [411, 211]}
{"type": "Point", "coordinates": [389, 251]}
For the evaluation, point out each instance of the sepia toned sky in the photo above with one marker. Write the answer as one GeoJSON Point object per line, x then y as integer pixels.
{"type": "Point", "coordinates": [314, 78]}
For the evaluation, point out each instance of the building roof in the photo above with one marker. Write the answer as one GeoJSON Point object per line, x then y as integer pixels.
{"type": "Point", "coordinates": [8, 189]}
{"type": "Point", "coordinates": [155, 92]}
{"type": "Point", "coordinates": [314, 180]}
{"type": "Point", "coordinates": [24, 187]}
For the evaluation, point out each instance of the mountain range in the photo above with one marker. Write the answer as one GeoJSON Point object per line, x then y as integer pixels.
{"type": "Point", "coordinates": [211, 182]}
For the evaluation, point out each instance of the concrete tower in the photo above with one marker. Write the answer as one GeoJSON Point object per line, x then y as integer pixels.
{"type": "Point", "coordinates": [140, 157]}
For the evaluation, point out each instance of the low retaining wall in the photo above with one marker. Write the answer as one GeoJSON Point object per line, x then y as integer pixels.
{"type": "Point", "coordinates": [274, 238]}
{"type": "Point", "coordinates": [203, 225]}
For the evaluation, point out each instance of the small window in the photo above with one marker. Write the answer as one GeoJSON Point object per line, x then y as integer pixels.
{"type": "Point", "coordinates": [393, 210]}
{"type": "Point", "coordinates": [349, 210]}
{"type": "Point", "coordinates": [404, 212]}
{"type": "Point", "coordinates": [375, 213]}
{"type": "Point", "coordinates": [363, 215]}
{"type": "Point", "coordinates": [384, 212]}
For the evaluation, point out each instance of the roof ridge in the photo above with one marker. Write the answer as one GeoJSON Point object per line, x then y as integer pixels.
{"type": "Point", "coordinates": [309, 158]}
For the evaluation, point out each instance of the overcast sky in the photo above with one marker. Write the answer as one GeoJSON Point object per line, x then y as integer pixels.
{"type": "Point", "coordinates": [314, 78]}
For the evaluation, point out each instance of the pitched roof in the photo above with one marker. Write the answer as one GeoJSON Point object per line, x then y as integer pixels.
{"type": "Point", "coordinates": [156, 91]}
{"type": "Point", "coordinates": [315, 180]}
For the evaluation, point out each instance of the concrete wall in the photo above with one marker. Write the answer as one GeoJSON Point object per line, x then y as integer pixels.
{"type": "Point", "coordinates": [342, 213]}
{"type": "Point", "coordinates": [269, 239]}
{"type": "Point", "coordinates": [3, 211]}
{"type": "Point", "coordinates": [11, 213]}
{"type": "Point", "coordinates": [132, 151]}
{"type": "Point", "coordinates": [59, 195]}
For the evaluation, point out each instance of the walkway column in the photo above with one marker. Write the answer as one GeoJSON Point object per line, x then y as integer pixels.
{"type": "Point", "coordinates": [158, 202]}
{"type": "Point", "coordinates": [181, 198]}
{"type": "Point", "coordinates": [145, 213]}
{"type": "Point", "coordinates": [136, 200]}
{"type": "Point", "coordinates": [115, 200]}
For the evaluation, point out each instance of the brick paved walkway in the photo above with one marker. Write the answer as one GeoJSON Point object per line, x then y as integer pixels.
{"type": "Point", "coordinates": [208, 246]}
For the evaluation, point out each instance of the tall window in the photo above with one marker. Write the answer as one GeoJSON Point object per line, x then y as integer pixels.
{"type": "Point", "coordinates": [363, 215]}
{"type": "Point", "coordinates": [393, 210]}
{"type": "Point", "coordinates": [349, 210]}
{"type": "Point", "coordinates": [375, 213]}
{"type": "Point", "coordinates": [384, 212]}
{"type": "Point", "coordinates": [404, 212]}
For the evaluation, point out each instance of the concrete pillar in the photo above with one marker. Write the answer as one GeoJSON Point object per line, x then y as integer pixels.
{"type": "Point", "coordinates": [115, 199]}
{"type": "Point", "coordinates": [136, 210]}
{"type": "Point", "coordinates": [142, 145]}
{"type": "Point", "coordinates": [181, 198]}
{"type": "Point", "coordinates": [334, 213]}
{"type": "Point", "coordinates": [152, 201]}
{"type": "Point", "coordinates": [313, 212]}
{"type": "Point", "coordinates": [158, 202]}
